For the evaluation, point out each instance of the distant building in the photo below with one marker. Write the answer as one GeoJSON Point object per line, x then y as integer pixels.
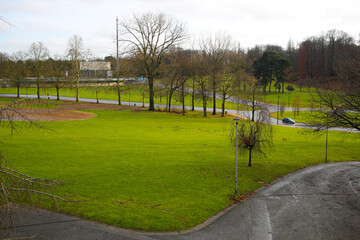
{"type": "Point", "coordinates": [96, 69]}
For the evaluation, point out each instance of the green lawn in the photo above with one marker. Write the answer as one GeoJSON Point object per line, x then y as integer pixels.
{"type": "Point", "coordinates": [302, 116]}
{"type": "Point", "coordinates": [157, 171]}
{"type": "Point", "coordinates": [5, 101]}
{"type": "Point", "coordinates": [29, 103]}
{"type": "Point", "coordinates": [309, 117]}
{"type": "Point", "coordinates": [131, 93]}
{"type": "Point", "coordinates": [306, 97]}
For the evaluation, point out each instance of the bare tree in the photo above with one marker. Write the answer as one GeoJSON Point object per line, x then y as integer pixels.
{"type": "Point", "coordinates": [253, 93]}
{"type": "Point", "coordinates": [38, 53]}
{"type": "Point", "coordinates": [319, 56]}
{"type": "Point", "coordinates": [18, 70]}
{"type": "Point", "coordinates": [16, 187]}
{"type": "Point", "coordinates": [177, 71]}
{"type": "Point", "coordinates": [296, 105]}
{"type": "Point", "coordinates": [231, 76]}
{"type": "Point", "coordinates": [340, 95]}
{"type": "Point", "coordinates": [215, 49]}
{"type": "Point", "coordinates": [5, 66]}
{"type": "Point", "coordinates": [172, 74]}
{"type": "Point", "coordinates": [148, 37]}
{"type": "Point", "coordinates": [341, 109]}
{"type": "Point", "coordinates": [254, 136]}
{"type": "Point", "coordinates": [5, 22]}
{"type": "Point", "coordinates": [186, 70]}
{"type": "Point", "coordinates": [201, 78]}
{"type": "Point", "coordinates": [227, 87]}
{"type": "Point", "coordinates": [193, 94]}
{"type": "Point", "coordinates": [56, 69]}
{"type": "Point", "coordinates": [77, 53]}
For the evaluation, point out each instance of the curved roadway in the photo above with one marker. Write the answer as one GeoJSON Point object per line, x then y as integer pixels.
{"type": "Point", "coordinates": [320, 202]}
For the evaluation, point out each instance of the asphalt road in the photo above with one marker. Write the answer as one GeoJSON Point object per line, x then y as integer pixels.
{"type": "Point", "coordinates": [319, 202]}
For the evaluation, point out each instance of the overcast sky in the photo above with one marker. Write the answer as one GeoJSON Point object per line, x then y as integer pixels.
{"type": "Point", "coordinates": [249, 22]}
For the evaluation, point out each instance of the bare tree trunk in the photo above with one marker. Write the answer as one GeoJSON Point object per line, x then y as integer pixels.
{"type": "Point", "coordinates": [78, 81]}
{"type": "Point", "coordinates": [170, 96]}
{"type": "Point", "coordinates": [38, 88]}
{"type": "Point", "coordinates": [223, 105]}
{"type": "Point", "coordinates": [250, 157]}
{"type": "Point", "coordinates": [77, 91]}
{"type": "Point", "coordinates": [253, 105]}
{"type": "Point", "coordinates": [57, 93]}
{"type": "Point", "coordinates": [183, 98]}
{"type": "Point", "coordinates": [253, 111]}
{"type": "Point", "coordinates": [204, 104]}
{"type": "Point", "coordinates": [269, 87]}
{"type": "Point", "coordinates": [97, 87]}
{"type": "Point", "coordinates": [193, 96]}
{"type": "Point", "coordinates": [167, 100]}
{"type": "Point", "coordinates": [214, 104]}
{"type": "Point", "coordinates": [78, 86]}
{"type": "Point", "coordinates": [118, 90]}
{"type": "Point", "coordinates": [18, 91]}
{"type": "Point", "coordinates": [143, 103]}
{"type": "Point", "coordinates": [151, 94]}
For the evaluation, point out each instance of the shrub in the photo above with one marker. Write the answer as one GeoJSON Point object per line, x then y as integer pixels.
{"type": "Point", "coordinates": [290, 88]}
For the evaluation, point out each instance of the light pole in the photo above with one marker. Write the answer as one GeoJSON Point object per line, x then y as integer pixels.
{"type": "Point", "coordinates": [236, 153]}
{"type": "Point", "coordinates": [277, 117]}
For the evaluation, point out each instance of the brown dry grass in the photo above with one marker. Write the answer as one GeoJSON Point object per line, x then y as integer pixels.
{"type": "Point", "coordinates": [67, 111]}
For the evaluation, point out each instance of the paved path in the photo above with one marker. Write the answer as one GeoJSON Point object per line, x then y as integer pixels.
{"type": "Point", "coordinates": [320, 202]}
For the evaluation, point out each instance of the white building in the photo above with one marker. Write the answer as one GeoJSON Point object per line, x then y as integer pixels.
{"type": "Point", "coordinates": [93, 69]}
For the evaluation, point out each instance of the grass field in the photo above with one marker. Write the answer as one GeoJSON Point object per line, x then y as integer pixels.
{"type": "Point", "coordinates": [134, 93]}
{"type": "Point", "coordinates": [309, 117]}
{"type": "Point", "coordinates": [131, 93]}
{"type": "Point", "coordinates": [302, 116]}
{"type": "Point", "coordinates": [306, 97]}
{"type": "Point", "coordinates": [157, 171]}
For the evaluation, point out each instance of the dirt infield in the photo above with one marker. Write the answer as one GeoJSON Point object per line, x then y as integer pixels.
{"type": "Point", "coordinates": [50, 115]}
{"type": "Point", "coordinates": [65, 111]}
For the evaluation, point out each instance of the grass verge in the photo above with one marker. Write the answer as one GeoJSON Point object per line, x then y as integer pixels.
{"type": "Point", "coordinates": [131, 93]}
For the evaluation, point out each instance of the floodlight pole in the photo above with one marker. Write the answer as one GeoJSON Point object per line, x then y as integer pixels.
{"type": "Point", "coordinates": [277, 117]}
{"type": "Point", "coordinates": [117, 61]}
{"type": "Point", "coordinates": [117, 44]}
{"type": "Point", "coordinates": [236, 153]}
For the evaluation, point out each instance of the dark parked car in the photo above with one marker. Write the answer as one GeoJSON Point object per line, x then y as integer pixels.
{"type": "Point", "coordinates": [288, 120]}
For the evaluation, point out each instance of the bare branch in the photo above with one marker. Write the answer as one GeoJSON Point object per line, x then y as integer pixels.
{"type": "Point", "coordinates": [148, 36]}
